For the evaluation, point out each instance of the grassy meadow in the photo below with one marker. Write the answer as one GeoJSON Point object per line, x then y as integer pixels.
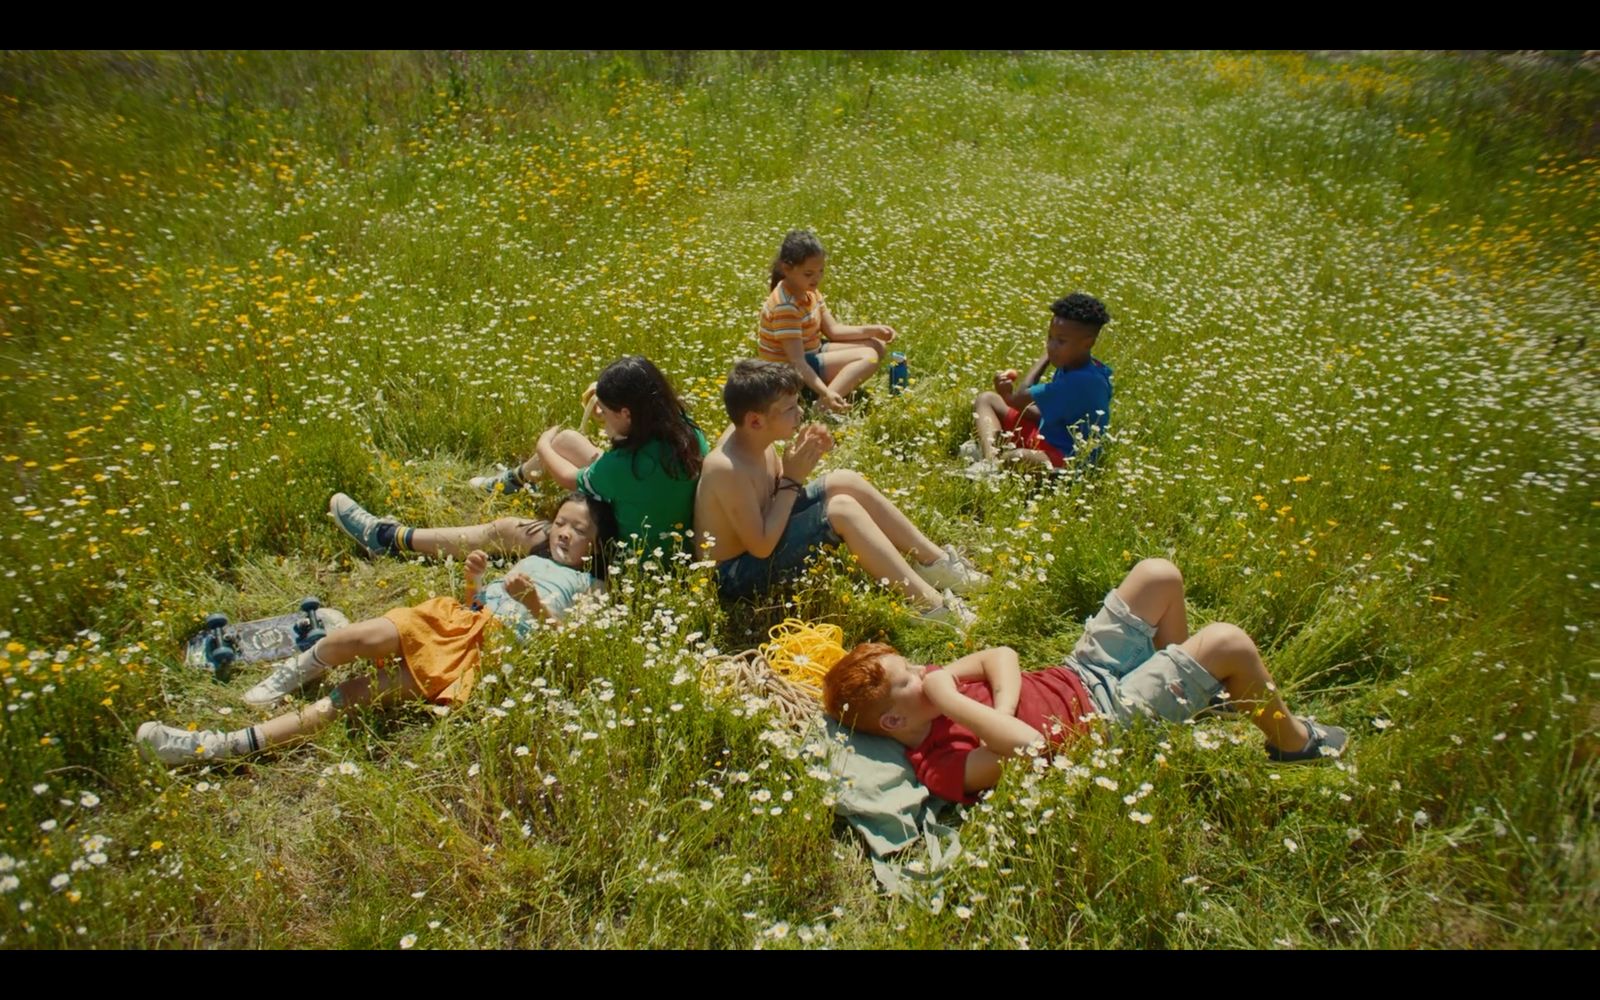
{"type": "Point", "coordinates": [1356, 402]}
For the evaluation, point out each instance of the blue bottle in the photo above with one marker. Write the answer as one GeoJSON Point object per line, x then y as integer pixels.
{"type": "Point", "coordinates": [899, 373]}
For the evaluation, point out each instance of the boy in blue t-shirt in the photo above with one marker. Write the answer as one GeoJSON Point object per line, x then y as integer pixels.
{"type": "Point", "coordinates": [1044, 421]}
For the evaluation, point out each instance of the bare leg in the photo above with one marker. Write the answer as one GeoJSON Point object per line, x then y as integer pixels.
{"type": "Point", "coordinates": [510, 536]}
{"type": "Point", "coordinates": [569, 444]}
{"type": "Point", "coordinates": [385, 685]}
{"type": "Point", "coordinates": [374, 638]}
{"type": "Point", "coordinates": [877, 554]}
{"type": "Point", "coordinates": [845, 367]}
{"type": "Point", "coordinates": [1153, 590]}
{"type": "Point", "coordinates": [988, 410]}
{"type": "Point", "coordinates": [1229, 655]}
{"type": "Point", "coordinates": [894, 525]}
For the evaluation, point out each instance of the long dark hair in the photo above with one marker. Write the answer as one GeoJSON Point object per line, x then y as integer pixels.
{"type": "Point", "coordinates": [656, 411]}
{"type": "Point", "coordinates": [605, 523]}
{"type": "Point", "coordinates": [799, 246]}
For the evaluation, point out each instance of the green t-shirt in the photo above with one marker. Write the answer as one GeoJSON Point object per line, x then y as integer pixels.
{"type": "Point", "coordinates": [649, 502]}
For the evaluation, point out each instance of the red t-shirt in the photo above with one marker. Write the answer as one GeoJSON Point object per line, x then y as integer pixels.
{"type": "Point", "coordinates": [1052, 701]}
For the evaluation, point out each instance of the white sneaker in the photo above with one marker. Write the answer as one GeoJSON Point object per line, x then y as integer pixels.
{"type": "Point", "coordinates": [289, 676]}
{"type": "Point", "coordinates": [953, 611]}
{"type": "Point", "coordinates": [952, 571]}
{"type": "Point", "coordinates": [969, 451]}
{"type": "Point", "coordinates": [173, 746]}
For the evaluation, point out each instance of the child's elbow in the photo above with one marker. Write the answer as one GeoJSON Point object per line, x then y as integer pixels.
{"type": "Point", "coordinates": [761, 549]}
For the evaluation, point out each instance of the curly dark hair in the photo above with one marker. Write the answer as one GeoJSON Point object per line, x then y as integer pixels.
{"type": "Point", "coordinates": [1081, 308]}
{"type": "Point", "coordinates": [637, 384]}
{"type": "Point", "coordinates": [799, 246]}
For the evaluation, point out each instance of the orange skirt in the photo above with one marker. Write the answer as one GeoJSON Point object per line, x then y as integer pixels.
{"type": "Point", "coordinates": [441, 642]}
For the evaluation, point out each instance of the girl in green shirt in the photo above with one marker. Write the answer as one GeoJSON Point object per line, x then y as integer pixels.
{"type": "Point", "coordinates": [648, 475]}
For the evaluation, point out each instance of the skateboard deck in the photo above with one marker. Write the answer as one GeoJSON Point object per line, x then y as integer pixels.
{"type": "Point", "coordinates": [221, 645]}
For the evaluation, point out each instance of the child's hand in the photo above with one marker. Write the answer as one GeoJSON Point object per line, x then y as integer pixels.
{"type": "Point", "coordinates": [879, 332]}
{"type": "Point", "coordinates": [1005, 381]}
{"type": "Point", "coordinates": [521, 589]}
{"type": "Point", "coordinates": [477, 562]}
{"type": "Point", "coordinates": [517, 583]}
{"type": "Point", "coordinates": [802, 456]}
{"type": "Point", "coordinates": [832, 400]}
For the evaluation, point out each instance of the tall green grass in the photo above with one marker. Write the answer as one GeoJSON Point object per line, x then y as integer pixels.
{"type": "Point", "coordinates": [1354, 403]}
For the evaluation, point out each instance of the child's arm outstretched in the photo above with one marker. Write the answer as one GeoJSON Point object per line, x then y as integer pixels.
{"type": "Point", "coordinates": [833, 330]}
{"type": "Point", "coordinates": [1002, 735]}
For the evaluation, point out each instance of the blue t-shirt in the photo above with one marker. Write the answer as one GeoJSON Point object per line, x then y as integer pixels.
{"type": "Point", "coordinates": [557, 586]}
{"type": "Point", "coordinates": [1076, 398]}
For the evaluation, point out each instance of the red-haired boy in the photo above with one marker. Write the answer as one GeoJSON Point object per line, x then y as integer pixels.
{"type": "Point", "coordinates": [1136, 659]}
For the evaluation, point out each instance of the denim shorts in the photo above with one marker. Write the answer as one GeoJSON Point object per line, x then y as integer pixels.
{"type": "Point", "coordinates": [814, 360]}
{"type": "Point", "coordinates": [803, 537]}
{"type": "Point", "coordinates": [1128, 678]}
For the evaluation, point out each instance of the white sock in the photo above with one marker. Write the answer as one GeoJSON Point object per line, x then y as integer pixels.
{"type": "Point", "coordinates": [243, 741]}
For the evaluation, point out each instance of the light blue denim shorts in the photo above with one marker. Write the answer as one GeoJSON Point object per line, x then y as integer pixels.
{"type": "Point", "coordinates": [1126, 676]}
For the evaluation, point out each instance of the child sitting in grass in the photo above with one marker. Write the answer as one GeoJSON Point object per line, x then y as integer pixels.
{"type": "Point", "coordinates": [648, 476]}
{"type": "Point", "coordinates": [1136, 659]}
{"type": "Point", "coordinates": [1044, 420]}
{"type": "Point", "coordinates": [438, 643]}
{"type": "Point", "coordinates": [796, 328]}
{"type": "Point", "coordinates": [761, 523]}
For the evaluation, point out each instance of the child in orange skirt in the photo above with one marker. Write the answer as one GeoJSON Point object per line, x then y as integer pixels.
{"type": "Point", "coordinates": [438, 643]}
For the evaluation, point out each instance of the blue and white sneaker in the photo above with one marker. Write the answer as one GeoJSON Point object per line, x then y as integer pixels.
{"type": "Point", "coordinates": [361, 525]}
{"type": "Point", "coordinates": [505, 481]}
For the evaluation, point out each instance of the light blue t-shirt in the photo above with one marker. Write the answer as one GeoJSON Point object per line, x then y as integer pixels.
{"type": "Point", "coordinates": [557, 586]}
{"type": "Point", "coordinates": [1076, 398]}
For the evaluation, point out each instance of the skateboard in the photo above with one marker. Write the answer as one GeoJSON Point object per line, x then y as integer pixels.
{"type": "Point", "coordinates": [220, 646]}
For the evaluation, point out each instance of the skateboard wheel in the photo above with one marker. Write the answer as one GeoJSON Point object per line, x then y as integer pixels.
{"type": "Point", "coordinates": [313, 637]}
{"type": "Point", "coordinates": [216, 621]}
{"type": "Point", "coordinates": [310, 604]}
{"type": "Point", "coordinates": [222, 662]}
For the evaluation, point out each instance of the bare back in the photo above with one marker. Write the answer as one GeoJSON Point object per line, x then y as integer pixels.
{"type": "Point", "coordinates": [728, 477]}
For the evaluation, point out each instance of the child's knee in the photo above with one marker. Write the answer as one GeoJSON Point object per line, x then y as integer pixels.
{"type": "Point", "coordinates": [846, 481]}
{"type": "Point", "coordinates": [1224, 642]}
{"type": "Point", "coordinates": [845, 508]}
{"type": "Point", "coordinates": [1160, 571]}
{"type": "Point", "coordinates": [988, 400]}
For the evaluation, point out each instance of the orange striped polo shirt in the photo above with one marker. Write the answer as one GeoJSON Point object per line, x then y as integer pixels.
{"type": "Point", "coordinates": [786, 317]}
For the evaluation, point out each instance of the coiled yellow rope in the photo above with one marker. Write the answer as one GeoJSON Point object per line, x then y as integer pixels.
{"type": "Point", "coordinates": [787, 670]}
{"type": "Point", "coordinates": [802, 652]}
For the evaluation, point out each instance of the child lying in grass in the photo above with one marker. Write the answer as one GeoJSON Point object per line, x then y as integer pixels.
{"type": "Point", "coordinates": [437, 643]}
{"type": "Point", "coordinates": [1136, 659]}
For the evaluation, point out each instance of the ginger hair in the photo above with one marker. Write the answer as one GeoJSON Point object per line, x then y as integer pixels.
{"type": "Point", "coordinates": [855, 691]}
